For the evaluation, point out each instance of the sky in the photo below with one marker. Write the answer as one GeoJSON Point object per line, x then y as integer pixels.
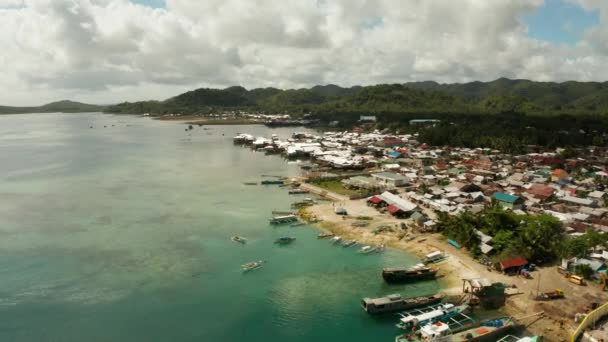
{"type": "Point", "coordinates": [109, 51]}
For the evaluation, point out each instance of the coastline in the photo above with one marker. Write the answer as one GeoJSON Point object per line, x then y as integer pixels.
{"type": "Point", "coordinates": [198, 120]}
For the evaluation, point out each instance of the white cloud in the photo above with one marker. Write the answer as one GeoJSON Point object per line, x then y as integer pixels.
{"type": "Point", "coordinates": [112, 50]}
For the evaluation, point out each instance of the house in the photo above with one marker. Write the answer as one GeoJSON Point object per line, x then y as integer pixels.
{"type": "Point", "coordinates": [393, 154]}
{"type": "Point", "coordinates": [424, 122]}
{"type": "Point", "coordinates": [507, 201]}
{"type": "Point", "coordinates": [587, 202]}
{"type": "Point", "coordinates": [367, 118]}
{"type": "Point", "coordinates": [595, 265]}
{"type": "Point", "coordinates": [390, 179]}
{"type": "Point", "coordinates": [559, 175]}
{"type": "Point", "coordinates": [396, 205]}
{"type": "Point", "coordinates": [540, 191]}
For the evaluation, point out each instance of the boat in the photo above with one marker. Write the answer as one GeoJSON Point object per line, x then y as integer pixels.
{"type": "Point", "coordinates": [395, 303]}
{"type": "Point", "coordinates": [272, 182]}
{"type": "Point", "coordinates": [434, 257]}
{"type": "Point", "coordinates": [250, 183]}
{"type": "Point", "coordinates": [252, 266]}
{"type": "Point", "coordinates": [297, 191]}
{"type": "Point", "coordinates": [324, 235]}
{"type": "Point", "coordinates": [336, 239]}
{"type": "Point", "coordinates": [297, 224]}
{"type": "Point", "coordinates": [486, 331]}
{"type": "Point", "coordinates": [511, 338]}
{"type": "Point", "coordinates": [406, 275]}
{"type": "Point", "coordinates": [239, 239]}
{"type": "Point", "coordinates": [381, 248]}
{"type": "Point", "coordinates": [283, 219]}
{"type": "Point", "coordinates": [421, 317]}
{"type": "Point", "coordinates": [348, 243]}
{"type": "Point", "coordinates": [367, 249]}
{"type": "Point", "coordinates": [243, 139]}
{"type": "Point", "coordinates": [284, 240]}
{"type": "Point", "coordinates": [307, 202]}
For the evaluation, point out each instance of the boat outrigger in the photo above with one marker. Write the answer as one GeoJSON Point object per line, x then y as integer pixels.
{"type": "Point", "coordinates": [239, 239]}
{"type": "Point", "coordinates": [407, 275]}
{"type": "Point", "coordinates": [396, 303]}
{"type": "Point", "coordinates": [252, 266]}
{"type": "Point", "coordinates": [486, 331]}
{"type": "Point", "coordinates": [420, 317]}
{"type": "Point", "coordinates": [284, 240]}
{"type": "Point", "coordinates": [283, 219]}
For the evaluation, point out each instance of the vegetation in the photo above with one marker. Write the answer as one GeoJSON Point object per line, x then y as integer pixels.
{"type": "Point", "coordinates": [60, 106]}
{"type": "Point", "coordinates": [535, 237]}
{"type": "Point", "coordinates": [335, 186]}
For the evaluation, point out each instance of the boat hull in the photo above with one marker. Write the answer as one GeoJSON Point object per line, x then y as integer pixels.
{"type": "Point", "coordinates": [404, 276]}
{"type": "Point", "coordinates": [402, 305]}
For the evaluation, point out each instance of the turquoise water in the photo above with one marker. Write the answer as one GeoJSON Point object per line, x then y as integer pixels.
{"type": "Point", "coordinates": [122, 234]}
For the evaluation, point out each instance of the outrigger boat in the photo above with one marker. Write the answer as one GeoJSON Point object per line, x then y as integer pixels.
{"type": "Point", "coordinates": [324, 235]}
{"type": "Point", "coordinates": [297, 191]}
{"type": "Point", "coordinates": [272, 181]}
{"type": "Point", "coordinates": [252, 265]}
{"type": "Point", "coordinates": [239, 239]}
{"type": "Point", "coordinates": [406, 275]}
{"type": "Point", "coordinates": [348, 243]}
{"type": "Point", "coordinates": [284, 240]}
{"type": "Point", "coordinates": [367, 249]}
{"type": "Point", "coordinates": [283, 219]}
{"type": "Point", "coordinates": [336, 240]}
{"type": "Point", "coordinates": [420, 317]}
{"type": "Point", "coordinates": [485, 331]}
{"type": "Point", "coordinates": [394, 303]}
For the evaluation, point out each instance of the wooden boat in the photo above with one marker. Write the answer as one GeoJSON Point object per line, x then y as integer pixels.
{"type": "Point", "coordinates": [324, 235]}
{"type": "Point", "coordinates": [395, 303]}
{"type": "Point", "coordinates": [307, 202]}
{"type": "Point", "coordinates": [239, 239]}
{"type": "Point", "coordinates": [336, 240]}
{"type": "Point", "coordinates": [297, 224]}
{"type": "Point", "coordinates": [381, 248]}
{"type": "Point", "coordinates": [272, 182]}
{"type": "Point", "coordinates": [297, 191]}
{"type": "Point", "coordinates": [250, 183]}
{"type": "Point", "coordinates": [367, 249]}
{"type": "Point", "coordinates": [408, 275]}
{"type": "Point", "coordinates": [511, 338]}
{"type": "Point", "coordinates": [420, 317]}
{"type": "Point", "coordinates": [284, 240]}
{"type": "Point", "coordinates": [283, 219]}
{"type": "Point", "coordinates": [348, 243]}
{"type": "Point", "coordinates": [252, 266]}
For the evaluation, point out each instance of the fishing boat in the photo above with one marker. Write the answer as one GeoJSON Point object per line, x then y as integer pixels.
{"type": "Point", "coordinates": [348, 243]}
{"type": "Point", "coordinates": [395, 303]}
{"type": "Point", "coordinates": [324, 235]}
{"type": "Point", "coordinates": [297, 191]}
{"type": "Point", "coordinates": [407, 275]}
{"type": "Point", "coordinates": [239, 239]}
{"type": "Point", "coordinates": [486, 331]}
{"type": "Point", "coordinates": [420, 317]}
{"type": "Point", "coordinates": [284, 240]}
{"type": "Point", "coordinates": [250, 183]}
{"type": "Point", "coordinates": [252, 266]}
{"type": "Point", "coordinates": [297, 224]}
{"type": "Point", "coordinates": [307, 202]}
{"type": "Point", "coordinates": [434, 257]}
{"type": "Point", "coordinates": [272, 181]}
{"type": "Point", "coordinates": [243, 139]}
{"type": "Point", "coordinates": [367, 249]}
{"type": "Point", "coordinates": [336, 240]}
{"type": "Point", "coordinates": [511, 338]}
{"type": "Point", "coordinates": [283, 219]}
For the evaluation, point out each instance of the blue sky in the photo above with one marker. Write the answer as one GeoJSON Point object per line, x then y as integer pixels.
{"type": "Point", "coordinates": [151, 3]}
{"type": "Point", "coordinates": [560, 22]}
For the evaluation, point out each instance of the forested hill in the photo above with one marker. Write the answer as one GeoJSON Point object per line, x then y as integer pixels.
{"type": "Point", "coordinates": [499, 96]}
{"type": "Point", "coordinates": [59, 106]}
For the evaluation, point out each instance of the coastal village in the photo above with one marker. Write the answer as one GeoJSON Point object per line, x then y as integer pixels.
{"type": "Point", "coordinates": [383, 188]}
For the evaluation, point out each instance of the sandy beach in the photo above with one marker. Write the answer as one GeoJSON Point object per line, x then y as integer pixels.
{"type": "Point", "coordinates": [556, 323]}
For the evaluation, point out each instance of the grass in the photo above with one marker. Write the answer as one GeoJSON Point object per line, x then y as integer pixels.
{"type": "Point", "coordinates": [335, 186]}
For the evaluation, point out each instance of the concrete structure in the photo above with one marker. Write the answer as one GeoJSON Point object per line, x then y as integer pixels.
{"type": "Point", "coordinates": [390, 178]}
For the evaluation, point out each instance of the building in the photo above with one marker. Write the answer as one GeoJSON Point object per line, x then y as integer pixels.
{"type": "Point", "coordinates": [424, 122]}
{"type": "Point", "coordinates": [507, 201]}
{"type": "Point", "coordinates": [395, 205]}
{"type": "Point", "coordinates": [540, 191]}
{"type": "Point", "coordinates": [559, 175]}
{"type": "Point", "coordinates": [367, 118]}
{"type": "Point", "coordinates": [390, 179]}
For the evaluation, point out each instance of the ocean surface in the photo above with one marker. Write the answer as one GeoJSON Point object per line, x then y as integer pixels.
{"type": "Point", "coordinates": [123, 233]}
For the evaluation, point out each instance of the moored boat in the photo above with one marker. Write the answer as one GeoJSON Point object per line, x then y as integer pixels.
{"type": "Point", "coordinates": [325, 235]}
{"type": "Point", "coordinates": [283, 219]}
{"type": "Point", "coordinates": [336, 240]}
{"type": "Point", "coordinates": [272, 181]}
{"type": "Point", "coordinates": [252, 266]}
{"type": "Point", "coordinates": [421, 317]}
{"type": "Point", "coordinates": [239, 239]}
{"type": "Point", "coordinates": [284, 240]}
{"type": "Point", "coordinates": [297, 191]}
{"type": "Point", "coordinates": [367, 249]}
{"type": "Point", "coordinates": [407, 275]}
{"type": "Point", "coordinates": [395, 303]}
{"type": "Point", "coordinates": [348, 243]}
{"type": "Point", "coordinates": [486, 331]}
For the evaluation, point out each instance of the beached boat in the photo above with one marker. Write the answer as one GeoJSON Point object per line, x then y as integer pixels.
{"type": "Point", "coordinates": [434, 257]}
{"type": "Point", "coordinates": [272, 182]}
{"type": "Point", "coordinates": [324, 235]}
{"type": "Point", "coordinates": [511, 338]}
{"type": "Point", "coordinates": [239, 239]}
{"type": "Point", "coordinates": [297, 191]}
{"type": "Point", "coordinates": [252, 266]}
{"type": "Point", "coordinates": [395, 303]}
{"type": "Point", "coordinates": [284, 240]}
{"type": "Point", "coordinates": [381, 248]}
{"type": "Point", "coordinates": [336, 240]}
{"type": "Point", "coordinates": [283, 219]}
{"type": "Point", "coordinates": [367, 249]}
{"type": "Point", "coordinates": [250, 183]}
{"type": "Point", "coordinates": [486, 331]}
{"type": "Point", "coordinates": [307, 202]}
{"type": "Point", "coordinates": [297, 224]}
{"type": "Point", "coordinates": [348, 243]}
{"type": "Point", "coordinates": [420, 317]}
{"type": "Point", "coordinates": [407, 275]}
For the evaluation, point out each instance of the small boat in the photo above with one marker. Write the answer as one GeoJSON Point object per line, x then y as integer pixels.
{"type": "Point", "coordinates": [272, 181]}
{"type": "Point", "coordinates": [511, 338]}
{"type": "Point", "coordinates": [381, 248]}
{"type": "Point", "coordinates": [250, 183]}
{"type": "Point", "coordinates": [407, 275]}
{"type": "Point", "coordinates": [297, 191]}
{"type": "Point", "coordinates": [336, 240]}
{"type": "Point", "coordinates": [394, 303]}
{"type": "Point", "coordinates": [284, 240]}
{"type": "Point", "coordinates": [297, 224]}
{"type": "Point", "coordinates": [283, 219]}
{"type": "Point", "coordinates": [367, 249]}
{"type": "Point", "coordinates": [486, 331]}
{"type": "Point", "coordinates": [239, 239]}
{"type": "Point", "coordinates": [324, 235]}
{"type": "Point", "coordinates": [348, 243]}
{"type": "Point", "coordinates": [421, 317]}
{"type": "Point", "coordinates": [252, 266]}
{"type": "Point", "coordinates": [307, 202]}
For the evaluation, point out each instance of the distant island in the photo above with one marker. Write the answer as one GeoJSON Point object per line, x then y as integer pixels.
{"type": "Point", "coordinates": [64, 106]}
